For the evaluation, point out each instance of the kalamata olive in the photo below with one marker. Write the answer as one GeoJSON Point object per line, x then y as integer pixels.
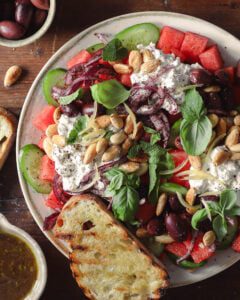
{"type": "Point", "coordinates": [200, 76]}
{"type": "Point", "coordinates": [41, 4]}
{"type": "Point", "coordinates": [6, 10]}
{"type": "Point", "coordinates": [213, 101]}
{"type": "Point", "coordinates": [177, 143]}
{"type": "Point", "coordinates": [87, 109]}
{"type": "Point", "coordinates": [205, 225]}
{"type": "Point", "coordinates": [222, 76]}
{"type": "Point", "coordinates": [155, 227]}
{"type": "Point", "coordinates": [17, 2]}
{"type": "Point", "coordinates": [176, 227]}
{"type": "Point", "coordinates": [39, 17]}
{"type": "Point", "coordinates": [226, 95]}
{"type": "Point", "coordinates": [11, 30]}
{"type": "Point", "coordinates": [23, 14]}
{"type": "Point", "coordinates": [174, 203]}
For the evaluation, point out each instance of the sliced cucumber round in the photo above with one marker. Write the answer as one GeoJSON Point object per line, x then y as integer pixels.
{"type": "Point", "coordinates": [30, 159]}
{"type": "Point", "coordinates": [143, 33]}
{"type": "Point", "coordinates": [53, 78]}
{"type": "Point", "coordinates": [95, 47]}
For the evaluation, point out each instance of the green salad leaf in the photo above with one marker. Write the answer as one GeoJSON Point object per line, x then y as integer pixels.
{"type": "Point", "coordinates": [109, 93]}
{"type": "Point", "coordinates": [155, 135]}
{"type": "Point", "coordinates": [217, 213]}
{"type": "Point", "coordinates": [122, 189]}
{"type": "Point", "coordinates": [80, 124]}
{"type": "Point", "coordinates": [196, 128]}
{"type": "Point", "coordinates": [114, 50]}
{"type": "Point", "coordinates": [72, 97]}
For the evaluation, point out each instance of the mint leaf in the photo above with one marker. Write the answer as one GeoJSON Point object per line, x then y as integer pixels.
{"type": "Point", "coordinates": [220, 227]}
{"type": "Point", "coordinates": [114, 50]}
{"type": "Point", "coordinates": [134, 151]}
{"type": "Point", "coordinates": [125, 204]}
{"type": "Point", "coordinates": [193, 106]}
{"type": "Point", "coordinates": [109, 93]}
{"type": "Point", "coordinates": [235, 211]}
{"type": "Point", "coordinates": [79, 125]}
{"type": "Point", "coordinates": [196, 136]}
{"type": "Point", "coordinates": [65, 100]}
{"type": "Point", "coordinates": [199, 216]}
{"type": "Point", "coordinates": [155, 135]}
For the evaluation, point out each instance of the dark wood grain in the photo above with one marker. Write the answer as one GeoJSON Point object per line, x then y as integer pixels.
{"type": "Point", "coordinates": [72, 17]}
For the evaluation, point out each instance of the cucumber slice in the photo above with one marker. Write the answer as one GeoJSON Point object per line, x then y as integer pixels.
{"type": "Point", "coordinates": [29, 159]}
{"type": "Point", "coordinates": [53, 78]}
{"type": "Point", "coordinates": [95, 47]}
{"type": "Point", "coordinates": [143, 33]}
{"type": "Point", "coordinates": [186, 264]}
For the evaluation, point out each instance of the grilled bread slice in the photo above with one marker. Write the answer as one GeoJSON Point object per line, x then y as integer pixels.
{"type": "Point", "coordinates": [8, 126]}
{"type": "Point", "coordinates": [107, 261]}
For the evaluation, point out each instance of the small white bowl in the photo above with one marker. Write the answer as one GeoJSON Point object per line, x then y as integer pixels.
{"type": "Point", "coordinates": [40, 283]}
{"type": "Point", "coordinates": [41, 31]}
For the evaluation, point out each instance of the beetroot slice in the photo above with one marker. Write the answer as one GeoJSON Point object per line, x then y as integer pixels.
{"type": "Point", "coordinates": [58, 191]}
{"type": "Point", "coordinates": [50, 221]}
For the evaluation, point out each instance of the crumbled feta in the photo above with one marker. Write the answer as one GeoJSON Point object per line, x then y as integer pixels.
{"type": "Point", "coordinates": [227, 173]}
{"type": "Point", "coordinates": [65, 124]}
{"type": "Point", "coordinates": [171, 74]}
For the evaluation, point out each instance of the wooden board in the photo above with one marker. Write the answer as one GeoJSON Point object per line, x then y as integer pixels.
{"type": "Point", "coordinates": [72, 17]}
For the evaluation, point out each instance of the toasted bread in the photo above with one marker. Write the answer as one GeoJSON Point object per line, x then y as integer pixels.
{"type": "Point", "coordinates": [107, 261]}
{"type": "Point", "coordinates": [8, 126]}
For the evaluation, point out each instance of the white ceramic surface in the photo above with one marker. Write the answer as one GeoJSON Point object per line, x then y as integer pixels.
{"type": "Point", "coordinates": [230, 48]}
{"type": "Point", "coordinates": [40, 32]}
{"type": "Point", "coordinates": [40, 283]}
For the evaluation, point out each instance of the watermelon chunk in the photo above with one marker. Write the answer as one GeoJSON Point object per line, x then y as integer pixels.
{"type": "Point", "coordinates": [200, 252]}
{"type": "Point", "coordinates": [176, 248]}
{"type": "Point", "coordinates": [47, 169]}
{"type": "Point", "coordinates": [211, 59]}
{"type": "Point", "coordinates": [44, 118]}
{"type": "Point", "coordinates": [236, 244]}
{"type": "Point", "coordinates": [193, 45]}
{"type": "Point", "coordinates": [179, 54]}
{"type": "Point", "coordinates": [125, 80]}
{"type": "Point", "coordinates": [82, 57]}
{"type": "Point", "coordinates": [53, 202]}
{"type": "Point", "coordinates": [170, 38]}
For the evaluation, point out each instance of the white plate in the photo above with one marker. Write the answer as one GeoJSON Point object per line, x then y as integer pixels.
{"type": "Point", "coordinates": [230, 48]}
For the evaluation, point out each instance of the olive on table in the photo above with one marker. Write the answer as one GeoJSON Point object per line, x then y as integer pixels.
{"type": "Point", "coordinates": [6, 10]}
{"type": "Point", "coordinates": [200, 76]}
{"type": "Point", "coordinates": [41, 4]}
{"type": "Point", "coordinates": [24, 14]}
{"type": "Point", "coordinates": [39, 18]}
{"type": "Point", "coordinates": [11, 30]}
{"type": "Point", "coordinates": [17, 2]}
{"type": "Point", "coordinates": [176, 227]}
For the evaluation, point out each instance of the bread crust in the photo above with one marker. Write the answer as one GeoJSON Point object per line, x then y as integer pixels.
{"type": "Point", "coordinates": [124, 233]}
{"type": "Point", "coordinates": [6, 145]}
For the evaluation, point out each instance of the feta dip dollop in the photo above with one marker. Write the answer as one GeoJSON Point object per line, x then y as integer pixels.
{"type": "Point", "coordinates": [69, 159]}
{"type": "Point", "coordinates": [227, 175]}
{"type": "Point", "coordinates": [171, 74]}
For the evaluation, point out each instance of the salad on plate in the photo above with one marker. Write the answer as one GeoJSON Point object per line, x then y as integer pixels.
{"type": "Point", "coordinates": [148, 120]}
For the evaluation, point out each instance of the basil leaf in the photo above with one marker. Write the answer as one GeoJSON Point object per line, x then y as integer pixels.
{"type": "Point", "coordinates": [175, 131]}
{"type": "Point", "coordinates": [199, 216]}
{"type": "Point", "coordinates": [109, 93]}
{"type": "Point", "coordinates": [155, 135]}
{"type": "Point", "coordinates": [70, 98]}
{"type": "Point", "coordinates": [79, 125]}
{"type": "Point", "coordinates": [193, 106]}
{"type": "Point", "coordinates": [114, 50]}
{"type": "Point", "coordinates": [235, 211]}
{"type": "Point", "coordinates": [228, 199]}
{"type": "Point", "coordinates": [196, 136]}
{"type": "Point", "coordinates": [125, 203]}
{"type": "Point", "coordinates": [220, 227]}
{"type": "Point", "coordinates": [133, 180]}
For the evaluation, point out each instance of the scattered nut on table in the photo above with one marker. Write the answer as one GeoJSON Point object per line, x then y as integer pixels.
{"type": "Point", "coordinates": [12, 75]}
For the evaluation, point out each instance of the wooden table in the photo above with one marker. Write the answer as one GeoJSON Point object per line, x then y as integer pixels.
{"type": "Point", "coordinates": [73, 16]}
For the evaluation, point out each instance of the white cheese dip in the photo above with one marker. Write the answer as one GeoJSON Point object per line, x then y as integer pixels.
{"type": "Point", "coordinates": [228, 173]}
{"type": "Point", "coordinates": [69, 159]}
{"type": "Point", "coordinates": [171, 74]}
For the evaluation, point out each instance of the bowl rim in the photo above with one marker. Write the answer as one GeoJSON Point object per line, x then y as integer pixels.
{"type": "Point", "coordinates": [39, 33]}
{"type": "Point", "coordinates": [51, 61]}
{"type": "Point", "coordinates": [40, 283]}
